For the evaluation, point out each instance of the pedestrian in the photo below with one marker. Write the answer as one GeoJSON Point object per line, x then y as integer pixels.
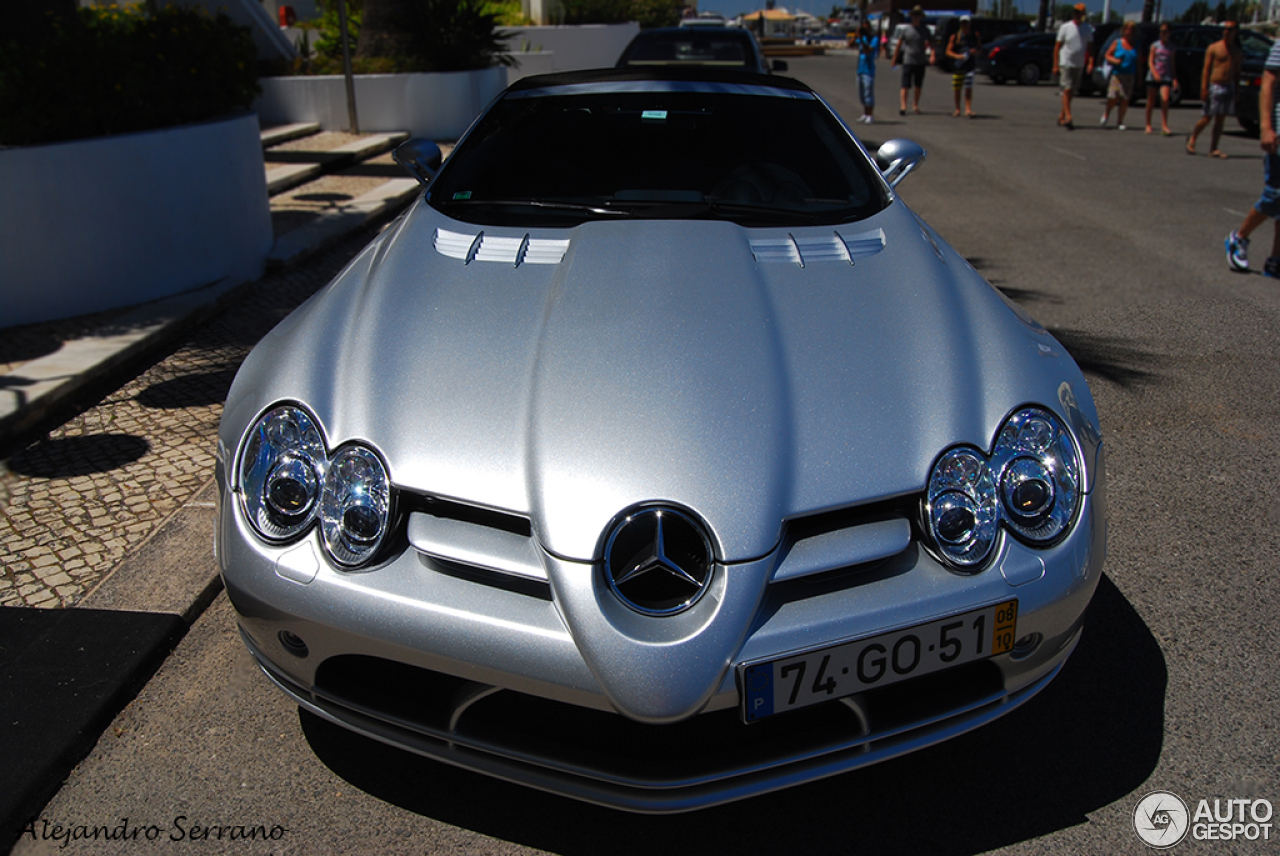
{"type": "Point", "coordinates": [1122, 57]}
{"type": "Point", "coordinates": [1072, 60]}
{"type": "Point", "coordinates": [962, 49]}
{"type": "Point", "coordinates": [913, 51]}
{"type": "Point", "coordinates": [1162, 76]}
{"type": "Point", "coordinates": [1269, 204]}
{"type": "Point", "coordinates": [868, 50]}
{"type": "Point", "coordinates": [1218, 87]}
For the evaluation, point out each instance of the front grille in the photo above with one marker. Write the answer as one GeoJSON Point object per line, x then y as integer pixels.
{"type": "Point", "coordinates": [608, 747]}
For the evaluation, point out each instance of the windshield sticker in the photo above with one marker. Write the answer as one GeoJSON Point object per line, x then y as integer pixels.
{"type": "Point", "coordinates": [653, 116]}
{"type": "Point", "coordinates": [462, 194]}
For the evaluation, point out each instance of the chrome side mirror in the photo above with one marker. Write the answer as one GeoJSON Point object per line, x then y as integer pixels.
{"type": "Point", "coordinates": [898, 157]}
{"type": "Point", "coordinates": [420, 158]}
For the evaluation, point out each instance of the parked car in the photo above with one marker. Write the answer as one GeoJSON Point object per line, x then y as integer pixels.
{"type": "Point", "coordinates": [1190, 43]}
{"type": "Point", "coordinates": [666, 463]}
{"type": "Point", "coordinates": [706, 19]}
{"type": "Point", "coordinates": [1026, 58]}
{"type": "Point", "coordinates": [988, 31]}
{"type": "Point", "coordinates": [728, 47]}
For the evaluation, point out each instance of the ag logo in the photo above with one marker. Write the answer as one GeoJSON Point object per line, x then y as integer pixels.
{"type": "Point", "coordinates": [1161, 819]}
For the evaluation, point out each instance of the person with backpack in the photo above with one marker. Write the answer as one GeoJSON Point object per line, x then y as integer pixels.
{"type": "Point", "coordinates": [868, 50]}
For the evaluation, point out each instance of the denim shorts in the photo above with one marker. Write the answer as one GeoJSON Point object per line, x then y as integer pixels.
{"type": "Point", "coordinates": [1269, 204]}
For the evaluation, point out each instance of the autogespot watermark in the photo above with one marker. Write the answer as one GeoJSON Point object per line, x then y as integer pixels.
{"type": "Point", "coordinates": [1162, 819]}
{"type": "Point", "coordinates": [180, 829]}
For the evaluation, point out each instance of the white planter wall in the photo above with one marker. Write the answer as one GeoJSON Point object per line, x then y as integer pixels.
{"type": "Point", "coordinates": [113, 221]}
{"type": "Point", "coordinates": [437, 106]}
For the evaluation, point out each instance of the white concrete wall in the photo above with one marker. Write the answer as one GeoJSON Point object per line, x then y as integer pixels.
{"type": "Point", "coordinates": [438, 106]}
{"type": "Point", "coordinates": [97, 224]}
{"type": "Point", "coordinates": [585, 46]}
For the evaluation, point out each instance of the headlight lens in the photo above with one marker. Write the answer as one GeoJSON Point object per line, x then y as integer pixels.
{"type": "Point", "coordinates": [281, 472]}
{"type": "Point", "coordinates": [1039, 475]}
{"type": "Point", "coordinates": [1030, 483]}
{"type": "Point", "coordinates": [355, 509]}
{"type": "Point", "coordinates": [962, 511]}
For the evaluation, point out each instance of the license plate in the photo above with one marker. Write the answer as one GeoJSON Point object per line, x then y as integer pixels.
{"type": "Point", "coordinates": [799, 680]}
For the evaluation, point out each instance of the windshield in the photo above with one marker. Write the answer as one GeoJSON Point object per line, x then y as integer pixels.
{"type": "Point", "coordinates": [754, 159]}
{"type": "Point", "coordinates": [690, 46]}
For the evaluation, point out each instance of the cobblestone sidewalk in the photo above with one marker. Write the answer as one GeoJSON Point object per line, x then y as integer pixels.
{"type": "Point", "coordinates": [75, 502]}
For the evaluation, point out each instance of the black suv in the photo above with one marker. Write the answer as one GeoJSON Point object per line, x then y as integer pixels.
{"type": "Point", "coordinates": [1026, 58]}
{"type": "Point", "coordinates": [987, 29]}
{"type": "Point", "coordinates": [1190, 41]}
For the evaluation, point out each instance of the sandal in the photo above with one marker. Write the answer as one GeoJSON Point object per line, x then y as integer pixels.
{"type": "Point", "coordinates": [1217, 154]}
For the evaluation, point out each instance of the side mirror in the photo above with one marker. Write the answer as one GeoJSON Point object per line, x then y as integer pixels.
{"type": "Point", "coordinates": [779, 65]}
{"type": "Point", "coordinates": [898, 157]}
{"type": "Point", "coordinates": [420, 158]}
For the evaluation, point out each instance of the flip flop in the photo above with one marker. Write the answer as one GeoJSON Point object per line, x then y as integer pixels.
{"type": "Point", "coordinates": [1217, 154]}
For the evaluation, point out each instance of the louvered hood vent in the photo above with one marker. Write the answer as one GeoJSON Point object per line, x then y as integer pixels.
{"type": "Point", "coordinates": [836, 247]}
{"type": "Point", "coordinates": [491, 248]}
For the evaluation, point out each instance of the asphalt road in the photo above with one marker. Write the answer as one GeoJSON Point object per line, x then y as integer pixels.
{"type": "Point", "coordinates": [1113, 241]}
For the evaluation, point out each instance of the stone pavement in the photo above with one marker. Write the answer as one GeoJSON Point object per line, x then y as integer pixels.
{"type": "Point", "coordinates": [77, 500]}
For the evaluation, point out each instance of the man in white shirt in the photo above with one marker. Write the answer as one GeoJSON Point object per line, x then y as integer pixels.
{"type": "Point", "coordinates": [1072, 59]}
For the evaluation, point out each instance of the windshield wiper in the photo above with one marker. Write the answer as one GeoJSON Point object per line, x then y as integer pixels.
{"type": "Point", "coordinates": [577, 207]}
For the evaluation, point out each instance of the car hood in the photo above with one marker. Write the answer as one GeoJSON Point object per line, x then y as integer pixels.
{"type": "Point", "coordinates": [747, 375]}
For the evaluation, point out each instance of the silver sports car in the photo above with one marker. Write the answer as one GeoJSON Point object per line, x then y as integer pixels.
{"type": "Point", "coordinates": [659, 456]}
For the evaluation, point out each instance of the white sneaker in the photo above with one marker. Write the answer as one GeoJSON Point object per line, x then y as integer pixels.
{"type": "Point", "coordinates": [1122, 127]}
{"type": "Point", "coordinates": [870, 120]}
{"type": "Point", "coordinates": [1103, 121]}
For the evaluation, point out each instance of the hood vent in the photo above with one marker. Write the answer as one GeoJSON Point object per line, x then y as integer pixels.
{"type": "Point", "coordinates": [838, 247]}
{"type": "Point", "coordinates": [491, 248]}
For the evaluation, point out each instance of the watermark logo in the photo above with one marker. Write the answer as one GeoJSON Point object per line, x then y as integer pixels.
{"type": "Point", "coordinates": [1161, 819]}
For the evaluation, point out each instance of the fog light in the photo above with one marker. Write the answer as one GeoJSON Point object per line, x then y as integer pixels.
{"type": "Point", "coordinates": [1026, 646]}
{"type": "Point", "coordinates": [293, 643]}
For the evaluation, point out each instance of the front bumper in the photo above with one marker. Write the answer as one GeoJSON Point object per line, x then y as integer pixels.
{"type": "Point", "coordinates": [442, 662]}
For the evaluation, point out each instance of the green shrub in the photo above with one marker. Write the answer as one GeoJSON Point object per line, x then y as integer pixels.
{"type": "Point", "coordinates": [649, 13]}
{"type": "Point", "coordinates": [108, 70]}
{"type": "Point", "coordinates": [432, 35]}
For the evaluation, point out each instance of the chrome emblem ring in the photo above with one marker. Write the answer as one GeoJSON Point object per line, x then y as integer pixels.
{"type": "Point", "coordinates": [658, 560]}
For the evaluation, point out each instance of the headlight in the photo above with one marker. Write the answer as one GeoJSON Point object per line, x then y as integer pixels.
{"type": "Point", "coordinates": [1030, 483]}
{"type": "Point", "coordinates": [288, 481]}
{"type": "Point", "coordinates": [1039, 475]}
{"type": "Point", "coordinates": [356, 507]}
{"type": "Point", "coordinates": [281, 471]}
{"type": "Point", "coordinates": [962, 509]}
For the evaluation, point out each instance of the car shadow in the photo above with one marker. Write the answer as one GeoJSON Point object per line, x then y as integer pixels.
{"type": "Point", "coordinates": [1089, 739]}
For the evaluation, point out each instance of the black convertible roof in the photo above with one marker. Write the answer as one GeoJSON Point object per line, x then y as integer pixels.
{"type": "Point", "coordinates": [658, 72]}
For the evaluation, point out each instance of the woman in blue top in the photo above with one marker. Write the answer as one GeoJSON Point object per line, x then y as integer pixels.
{"type": "Point", "coordinates": [868, 49]}
{"type": "Point", "coordinates": [1123, 59]}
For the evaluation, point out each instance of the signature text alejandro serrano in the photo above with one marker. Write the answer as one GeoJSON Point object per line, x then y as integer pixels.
{"type": "Point", "coordinates": [181, 828]}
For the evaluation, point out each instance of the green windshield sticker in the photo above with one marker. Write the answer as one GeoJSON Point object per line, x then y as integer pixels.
{"type": "Point", "coordinates": [654, 116]}
{"type": "Point", "coordinates": [462, 194]}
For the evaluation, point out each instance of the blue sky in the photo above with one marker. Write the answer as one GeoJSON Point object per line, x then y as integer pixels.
{"type": "Point", "coordinates": [1172, 8]}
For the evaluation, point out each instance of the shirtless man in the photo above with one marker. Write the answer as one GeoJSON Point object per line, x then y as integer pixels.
{"type": "Point", "coordinates": [1218, 87]}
